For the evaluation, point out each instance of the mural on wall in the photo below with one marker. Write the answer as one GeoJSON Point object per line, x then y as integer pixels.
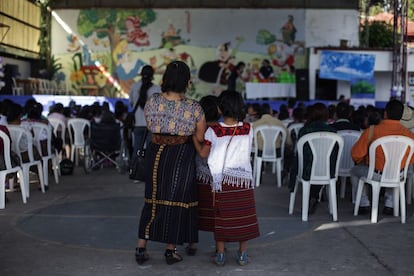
{"type": "Point", "coordinates": [108, 48]}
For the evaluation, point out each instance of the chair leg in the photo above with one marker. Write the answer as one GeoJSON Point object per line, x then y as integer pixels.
{"type": "Point", "coordinates": [258, 171]}
{"type": "Point", "coordinates": [56, 169]}
{"type": "Point", "coordinates": [358, 197]}
{"type": "Point", "coordinates": [292, 199]}
{"type": "Point", "coordinates": [305, 200]}
{"type": "Point", "coordinates": [375, 200]}
{"type": "Point", "coordinates": [396, 199]}
{"type": "Point", "coordinates": [332, 200]}
{"type": "Point", "coordinates": [3, 191]}
{"type": "Point", "coordinates": [23, 185]}
{"type": "Point", "coordinates": [279, 173]}
{"type": "Point", "coordinates": [26, 180]}
{"type": "Point", "coordinates": [41, 177]}
{"type": "Point", "coordinates": [402, 203]}
{"type": "Point", "coordinates": [46, 171]}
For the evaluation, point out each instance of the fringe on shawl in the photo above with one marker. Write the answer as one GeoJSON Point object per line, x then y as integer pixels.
{"type": "Point", "coordinates": [236, 177]}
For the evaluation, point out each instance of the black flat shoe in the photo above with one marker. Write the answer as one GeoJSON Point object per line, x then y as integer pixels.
{"type": "Point", "coordinates": [172, 257]}
{"type": "Point", "coordinates": [191, 251]}
{"type": "Point", "coordinates": [141, 255]}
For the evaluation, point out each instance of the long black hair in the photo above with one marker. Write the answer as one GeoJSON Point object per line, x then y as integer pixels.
{"type": "Point", "coordinates": [147, 74]}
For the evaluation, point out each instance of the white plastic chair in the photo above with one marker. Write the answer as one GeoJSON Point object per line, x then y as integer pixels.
{"type": "Point", "coordinates": [322, 145]}
{"type": "Point", "coordinates": [20, 136]}
{"type": "Point", "coordinates": [41, 131]}
{"type": "Point", "coordinates": [16, 90]}
{"type": "Point", "coordinates": [294, 133]}
{"type": "Point", "coordinates": [77, 129]}
{"type": "Point", "coordinates": [9, 170]}
{"type": "Point", "coordinates": [269, 134]}
{"type": "Point", "coordinates": [350, 137]}
{"type": "Point", "coordinates": [394, 174]}
{"type": "Point", "coordinates": [59, 129]}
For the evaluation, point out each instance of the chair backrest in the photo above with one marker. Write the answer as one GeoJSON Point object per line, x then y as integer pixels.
{"type": "Point", "coordinates": [42, 132]}
{"type": "Point", "coordinates": [350, 137]}
{"type": "Point", "coordinates": [269, 134]}
{"type": "Point", "coordinates": [6, 149]}
{"type": "Point", "coordinates": [22, 140]}
{"type": "Point", "coordinates": [59, 128]}
{"type": "Point", "coordinates": [294, 131]}
{"type": "Point", "coordinates": [396, 149]}
{"type": "Point", "coordinates": [321, 145]}
{"type": "Point", "coordinates": [106, 137]}
{"type": "Point", "coordinates": [77, 130]}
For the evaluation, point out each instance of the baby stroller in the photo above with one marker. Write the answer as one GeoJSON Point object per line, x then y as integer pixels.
{"type": "Point", "coordinates": [103, 147]}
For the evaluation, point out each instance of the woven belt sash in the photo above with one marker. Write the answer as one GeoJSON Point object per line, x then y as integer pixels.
{"type": "Point", "coordinates": [172, 140]}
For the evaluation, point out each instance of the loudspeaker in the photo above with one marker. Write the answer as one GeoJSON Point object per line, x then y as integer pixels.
{"type": "Point", "coordinates": [302, 84]}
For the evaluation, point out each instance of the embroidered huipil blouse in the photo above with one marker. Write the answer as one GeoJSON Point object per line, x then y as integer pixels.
{"type": "Point", "coordinates": [174, 117]}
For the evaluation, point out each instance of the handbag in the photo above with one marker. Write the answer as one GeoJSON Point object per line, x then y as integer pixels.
{"type": "Point", "coordinates": [137, 169]}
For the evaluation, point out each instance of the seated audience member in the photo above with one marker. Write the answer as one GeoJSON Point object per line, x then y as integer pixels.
{"type": "Point", "coordinates": [407, 118]}
{"type": "Point", "coordinates": [343, 115]}
{"type": "Point", "coordinates": [253, 112]}
{"type": "Point", "coordinates": [56, 112]}
{"type": "Point", "coordinates": [317, 121]}
{"type": "Point", "coordinates": [390, 125]}
{"type": "Point", "coordinates": [268, 119]}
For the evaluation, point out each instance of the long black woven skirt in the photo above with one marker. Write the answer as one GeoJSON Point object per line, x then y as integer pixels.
{"type": "Point", "coordinates": [170, 212]}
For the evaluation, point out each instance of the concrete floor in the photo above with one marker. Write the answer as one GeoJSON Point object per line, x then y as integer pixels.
{"type": "Point", "coordinates": [87, 225]}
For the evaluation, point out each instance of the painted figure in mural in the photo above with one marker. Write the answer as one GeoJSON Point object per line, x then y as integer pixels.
{"type": "Point", "coordinates": [217, 71]}
{"type": "Point", "coordinates": [74, 45]}
{"type": "Point", "coordinates": [171, 37]}
{"type": "Point", "coordinates": [281, 55]}
{"type": "Point", "coordinates": [289, 31]}
{"type": "Point", "coordinates": [135, 34]}
{"type": "Point", "coordinates": [126, 67]}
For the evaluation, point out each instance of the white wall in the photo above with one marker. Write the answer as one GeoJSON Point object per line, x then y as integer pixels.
{"type": "Point", "coordinates": [327, 27]}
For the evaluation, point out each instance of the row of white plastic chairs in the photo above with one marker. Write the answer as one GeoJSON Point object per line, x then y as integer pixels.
{"type": "Point", "coordinates": [25, 138]}
{"type": "Point", "coordinates": [41, 86]}
{"type": "Point", "coordinates": [322, 144]}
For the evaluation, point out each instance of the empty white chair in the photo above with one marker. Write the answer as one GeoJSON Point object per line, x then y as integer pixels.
{"type": "Point", "coordinates": [78, 128]}
{"type": "Point", "coordinates": [269, 134]}
{"type": "Point", "coordinates": [322, 146]}
{"type": "Point", "coordinates": [350, 137]}
{"type": "Point", "coordinates": [22, 141]}
{"type": "Point", "coordinates": [9, 170]}
{"type": "Point", "coordinates": [16, 90]}
{"type": "Point", "coordinates": [44, 132]}
{"type": "Point", "coordinates": [394, 174]}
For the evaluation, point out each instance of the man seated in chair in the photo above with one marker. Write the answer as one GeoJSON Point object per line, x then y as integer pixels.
{"type": "Point", "coordinates": [266, 118]}
{"type": "Point", "coordinates": [317, 121]}
{"type": "Point", "coordinates": [390, 125]}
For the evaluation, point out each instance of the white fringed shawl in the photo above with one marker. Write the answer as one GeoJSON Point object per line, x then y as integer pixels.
{"type": "Point", "coordinates": [231, 166]}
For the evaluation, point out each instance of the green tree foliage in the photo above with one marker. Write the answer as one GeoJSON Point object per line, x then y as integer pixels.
{"type": "Point", "coordinates": [362, 87]}
{"type": "Point", "coordinates": [380, 35]}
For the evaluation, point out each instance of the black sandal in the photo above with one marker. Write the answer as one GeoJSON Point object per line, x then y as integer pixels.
{"type": "Point", "coordinates": [191, 251]}
{"type": "Point", "coordinates": [141, 255]}
{"type": "Point", "coordinates": [172, 257]}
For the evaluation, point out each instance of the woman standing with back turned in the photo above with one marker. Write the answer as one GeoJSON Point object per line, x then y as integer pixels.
{"type": "Point", "coordinates": [140, 92]}
{"type": "Point", "coordinates": [170, 210]}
